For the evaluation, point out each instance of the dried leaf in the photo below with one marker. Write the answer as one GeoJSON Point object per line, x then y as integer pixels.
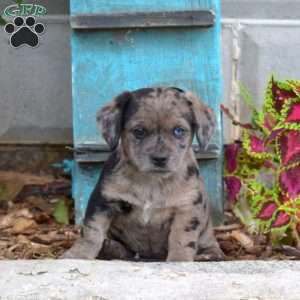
{"type": "Point", "coordinates": [22, 239]}
{"type": "Point", "coordinates": [290, 251]}
{"type": "Point", "coordinates": [10, 219]}
{"type": "Point", "coordinates": [23, 224]}
{"type": "Point", "coordinates": [12, 183]}
{"type": "Point", "coordinates": [57, 187]}
{"type": "Point", "coordinates": [245, 241]}
{"type": "Point", "coordinates": [229, 227]}
{"type": "Point", "coordinates": [42, 217]}
{"type": "Point", "coordinates": [24, 212]}
{"type": "Point", "coordinates": [6, 221]}
{"type": "Point", "coordinates": [48, 239]}
{"type": "Point", "coordinates": [228, 246]}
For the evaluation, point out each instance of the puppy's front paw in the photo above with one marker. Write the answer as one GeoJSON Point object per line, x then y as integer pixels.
{"type": "Point", "coordinates": [80, 250]}
{"type": "Point", "coordinates": [69, 254]}
{"type": "Point", "coordinates": [210, 254]}
{"type": "Point", "coordinates": [179, 256]}
{"type": "Point", "coordinates": [178, 259]}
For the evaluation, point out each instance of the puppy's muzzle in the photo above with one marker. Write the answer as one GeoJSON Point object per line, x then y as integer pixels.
{"type": "Point", "coordinates": [159, 161]}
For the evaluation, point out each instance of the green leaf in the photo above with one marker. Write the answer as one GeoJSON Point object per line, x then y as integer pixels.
{"type": "Point", "coordinates": [2, 190]}
{"type": "Point", "coordinates": [2, 21]}
{"type": "Point", "coordinates": [61, 212]}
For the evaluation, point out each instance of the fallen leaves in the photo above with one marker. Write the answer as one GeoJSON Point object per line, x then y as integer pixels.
{"type": "Point", "coordinates": [12, 183]}
{"type": "Point", "coordinates": [11, 218]}
{"type": "Point", "coordinates": [35, 214]}
{"type": "Point", "coordinates": [245, 241]}
{"type": "Point", "coordinates": [238, 244]}
{"type": "Point", "coordinates": [22, 225]}
{"type": "Point", "coordinates": [42, 242]}
{"type": "Point", "coordinates": [16, 186]}
{"type": "Point", "coordinates": [28, 228]}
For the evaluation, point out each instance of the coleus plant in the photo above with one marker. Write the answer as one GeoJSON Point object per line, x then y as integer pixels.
{"type": "Point", "coordinates": [262, 170]}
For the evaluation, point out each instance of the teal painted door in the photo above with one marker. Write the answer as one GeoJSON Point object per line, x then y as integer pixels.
{"type": "Point", "coordinates": [108, 59]}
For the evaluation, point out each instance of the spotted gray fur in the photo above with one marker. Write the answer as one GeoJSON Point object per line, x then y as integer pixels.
{"type": "Point", "coordinates": [149, 201]}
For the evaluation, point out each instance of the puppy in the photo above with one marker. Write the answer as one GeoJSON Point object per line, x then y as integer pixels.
{"type": "Point", "coordinates": [150, 201]}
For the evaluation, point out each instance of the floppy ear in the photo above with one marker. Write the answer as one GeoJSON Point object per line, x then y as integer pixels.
{"type": "Point", "coordinates": [109, 119]}
{"type": "Point", "coordinates": [204, 120]}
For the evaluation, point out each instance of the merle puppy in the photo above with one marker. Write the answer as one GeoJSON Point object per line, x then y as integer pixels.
{"type": "Point", "coordinates": [150, 201]}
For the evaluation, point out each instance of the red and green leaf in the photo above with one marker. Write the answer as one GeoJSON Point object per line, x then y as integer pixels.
{"type": "Point", "coordinates": [267, 162]}
{"type": "Point", "coordinates": [281, 219]}
{"type": "Point", "coordinates": [280, 95]}
{"type": "Point", "coordinates": [233, 185]}
{"type": "Point", "coordinates": [231, 156]}
{"type": "Point", "coordinates": [289, 181]}
{"type": "Point", "coordinates": [267, 211]}
{"type": "Point", "coordinates": [290, 147]}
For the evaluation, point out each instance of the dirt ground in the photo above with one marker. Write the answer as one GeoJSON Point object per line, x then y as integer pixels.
{"type": "Point", "coordinates": [37, 222]}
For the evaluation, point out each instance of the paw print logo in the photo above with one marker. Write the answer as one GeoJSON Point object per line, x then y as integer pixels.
{"type": "Point", "coordinates": [24, 32]}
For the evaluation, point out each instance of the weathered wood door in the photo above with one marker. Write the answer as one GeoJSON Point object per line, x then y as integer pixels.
{"type": "Point", "coordinates": [130, 44]}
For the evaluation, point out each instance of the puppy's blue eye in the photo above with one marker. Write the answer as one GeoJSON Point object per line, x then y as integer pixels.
{"type": "Point", "coordinates": [139, 133]}
{"type": "Point", "coordinates": [178, 132]}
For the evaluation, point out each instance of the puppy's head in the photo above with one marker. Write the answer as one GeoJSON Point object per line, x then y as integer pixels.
{"type": "Point", "coordinates": [155, 126]}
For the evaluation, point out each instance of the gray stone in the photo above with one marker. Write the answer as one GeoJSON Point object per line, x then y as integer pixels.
{"type": "Point", "coordinates": [77, 279]}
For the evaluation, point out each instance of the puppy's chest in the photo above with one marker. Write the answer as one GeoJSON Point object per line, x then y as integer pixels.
{"type": "Point", "coordinates": [152, 200]}
{"type": "Point", "coordinates": [150, 204]}
{"type": "Point", "coordinates": [144, 233]}
{"type": "Point", "coordinates": [147, 218]}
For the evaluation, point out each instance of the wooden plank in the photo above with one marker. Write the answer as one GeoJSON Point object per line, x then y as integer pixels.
{"type": "Point", "coordinates": [126, 6]}
{"type": "Point", "coordinates": [193, 18]}
{"type": "Point", "coordinates": [106, 62]}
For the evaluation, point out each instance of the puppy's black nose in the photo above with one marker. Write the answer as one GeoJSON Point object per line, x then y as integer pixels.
{"type": "Point", "coordinates": [159, 161]}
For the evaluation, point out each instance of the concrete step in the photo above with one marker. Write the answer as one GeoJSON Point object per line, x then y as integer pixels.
{"type": "Point", "coordinates": [103, 280]}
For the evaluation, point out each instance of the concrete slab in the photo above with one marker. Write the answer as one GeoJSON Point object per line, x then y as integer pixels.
{"type": "Point", "coordinates": [102, 280]}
